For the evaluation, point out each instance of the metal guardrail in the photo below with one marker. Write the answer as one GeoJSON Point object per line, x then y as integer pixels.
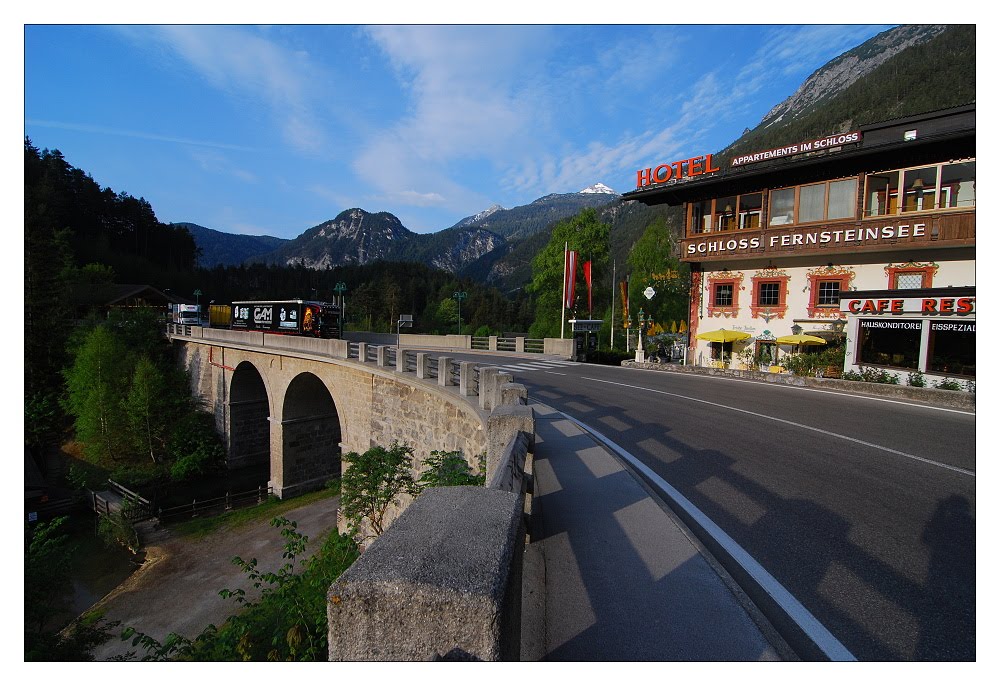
{"type": "Point", "coordinates": [480, 343]}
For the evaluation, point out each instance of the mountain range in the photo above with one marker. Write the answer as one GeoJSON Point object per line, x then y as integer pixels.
{"type": "Point", "coordinates": [905, 70]}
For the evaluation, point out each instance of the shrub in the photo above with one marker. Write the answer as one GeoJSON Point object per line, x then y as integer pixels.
{"type": "Point", "coordinates": [871, 375]}
{"type": "Point", "coordinates": [372, 482]}
{"type": "Point", "coordinates": [916, 379]}
{"type": "Point", "coordinates": [947, 384]}
{"type": "Point", "coordinates": [115, 529]}
{"type": "Point", "coordinates": [451, 469]}
{"type": "Point", "coordinates": [194, 446]}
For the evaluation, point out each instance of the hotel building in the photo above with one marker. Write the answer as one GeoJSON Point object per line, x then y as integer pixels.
{"type": "Point", "coordinates": [865, 238]}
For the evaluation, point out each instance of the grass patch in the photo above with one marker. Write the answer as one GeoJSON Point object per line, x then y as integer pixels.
{"type": "Point", "coordinates": [271, 508]}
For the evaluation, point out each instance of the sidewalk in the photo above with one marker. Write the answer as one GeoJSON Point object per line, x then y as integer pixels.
{"type": "Point", "coordinates": [623, 579]}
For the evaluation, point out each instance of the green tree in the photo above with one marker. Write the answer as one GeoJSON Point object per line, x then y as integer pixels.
{"type": "Point", "coordinates": [146, 409]}
{"type": "Point", "coordinates": [653, 262]}
{"type": "Point", "coordinates": [372, 482]}
{"type": "Point", "coordinates": [589, 237]}
{"type": "Point", "coordinates": [447, 314]}
{"type": "Point", "coordinates": [95, 384]}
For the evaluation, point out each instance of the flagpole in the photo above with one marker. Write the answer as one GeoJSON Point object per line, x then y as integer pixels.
{"type": "Point", "coordinates": [562, 315]}
{"type": "Point", "coordinates": [614, 286]}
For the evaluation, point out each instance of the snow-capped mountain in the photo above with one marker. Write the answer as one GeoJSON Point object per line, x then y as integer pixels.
{"type": "Point", "coordinates": [599, 188]}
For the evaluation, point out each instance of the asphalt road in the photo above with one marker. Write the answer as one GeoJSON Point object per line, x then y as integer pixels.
{"type": "Point", "coordinates": [862, 508]}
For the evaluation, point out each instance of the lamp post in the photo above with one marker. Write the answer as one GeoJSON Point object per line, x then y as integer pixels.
{"type": "Point", "coordinates": [460, 296]}
{"type": "Point", "coordinates": [628, 330]}
{"type": "Point", "coordinates": [644, 322]}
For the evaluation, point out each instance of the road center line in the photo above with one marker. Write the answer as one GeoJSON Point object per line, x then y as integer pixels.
{"type": "Point", "coordinates": [791, 423]}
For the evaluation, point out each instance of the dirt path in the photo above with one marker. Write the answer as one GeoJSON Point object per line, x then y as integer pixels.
{"type": "Point", "coordinates": [177, 588]}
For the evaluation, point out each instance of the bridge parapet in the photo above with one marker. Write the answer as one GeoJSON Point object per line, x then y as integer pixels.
{"type": "Point", "coordinates": [454, 590]}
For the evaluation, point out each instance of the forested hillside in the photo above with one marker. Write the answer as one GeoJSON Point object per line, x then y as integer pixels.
{"type": "Point", "coordinates": [934, 75]}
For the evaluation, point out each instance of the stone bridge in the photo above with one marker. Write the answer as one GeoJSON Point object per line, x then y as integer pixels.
{"type": "Point", "coordinates": [299, 404]}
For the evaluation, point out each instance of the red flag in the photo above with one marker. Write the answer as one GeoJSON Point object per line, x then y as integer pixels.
{"type": "Point", "coordinates": [586, 276]}
{"type": "Point", "coordinates": [569, 278]}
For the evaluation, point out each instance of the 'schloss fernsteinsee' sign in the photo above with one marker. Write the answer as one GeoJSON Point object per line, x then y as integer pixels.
{"type": "Point", "coordinates": [807, 146]}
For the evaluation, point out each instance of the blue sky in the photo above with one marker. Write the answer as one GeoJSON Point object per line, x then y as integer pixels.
{"type": "Point", "coordinates": [274, 129]}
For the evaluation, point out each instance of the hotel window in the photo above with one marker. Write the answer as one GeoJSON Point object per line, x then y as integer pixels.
{"type": "Point", "coordinates": [701, 216]}
{"type": "Point", "coordinates": [905, 280]}
{"type": "Point", "coordinates": [889, 343]}
{"type": "Point", "coordinates": [769, 289]}
{"type": "Point", "coordinates": [768, 294]}
{"type": "Point", "coordinates": [951, 348]}
{"type": "Point", "coordinates": [816, 202]}
{"type": "Point", "coordinates": [911, 275]}
{"type": "Point", "coordinates": [943, 186]}
{"type": "Point", "coordinates": [725, 214]}
{"type": "Point", "coordinates": [843, 199]}
{"type": "Point", "coordinates": [919, 189]}
{"type": "Point", "coordinates": [782, 207]}
{"type": "Point", "coordinates": [825, 286]}
{"type": "Point", "coordinates": [828, 294]}
{"type": "Point", "coordinates": [750, 210]}
{"type": "Point", "coordinates": [722, 295]}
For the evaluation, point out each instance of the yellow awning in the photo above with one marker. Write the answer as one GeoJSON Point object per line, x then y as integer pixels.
{"type": "Point", "coordinates": [800, 339]}
{"type": "Point", "coordinates": [723, 336]}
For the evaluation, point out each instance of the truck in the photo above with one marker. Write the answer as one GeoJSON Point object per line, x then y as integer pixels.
{"type": "Point", "coordinates": [220, 316]}
{"type": "Point", "coordinates": [185, 314]}
{"type": "Point", "coordinates": [288, 317]}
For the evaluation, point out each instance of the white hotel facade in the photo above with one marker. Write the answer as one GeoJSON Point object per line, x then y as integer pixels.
{"type": "Point", "coordinates": [865, 238]}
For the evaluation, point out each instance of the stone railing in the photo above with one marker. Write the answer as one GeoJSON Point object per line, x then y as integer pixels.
{"type": "Point", "coordinates": [444, 580]}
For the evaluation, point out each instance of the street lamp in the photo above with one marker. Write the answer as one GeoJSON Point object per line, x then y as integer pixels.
{"type": "Point", "coordinates": [460, 296]}
{"type": "Point", "coordinates": [645, 322]}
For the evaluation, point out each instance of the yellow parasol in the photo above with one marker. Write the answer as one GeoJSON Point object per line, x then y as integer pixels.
{"type": "Point", "coordinates": [723, 336]}
{"type": "Point", "coordinates": [800, 339]}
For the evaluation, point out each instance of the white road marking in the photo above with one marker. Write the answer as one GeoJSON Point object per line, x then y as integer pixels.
{"type": "Point", "coordinates": [811, 626]}
{"type": "Point", "coordinates": [812, 389]}
{"type": "Point", "coordinates": [791, 423]}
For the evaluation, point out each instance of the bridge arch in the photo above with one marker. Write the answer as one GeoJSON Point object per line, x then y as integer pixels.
{"type": "Point", "coordinates": [249, 418]}
{"type": "Point", "coordinates": [311, 436]}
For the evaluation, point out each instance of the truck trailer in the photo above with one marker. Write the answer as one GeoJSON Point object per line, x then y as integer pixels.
{"type": "Point", "coordinates": [185, 314]}
{"type": "Point", "coordinates": [289, 317]}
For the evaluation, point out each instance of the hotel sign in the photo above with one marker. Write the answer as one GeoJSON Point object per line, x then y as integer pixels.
{"type": "Point", "coordinates": [925, 306]}
{"type": "Point", "coordinates": [681, 169]}
{"type": "Point", "coordinates": [802, 239]}
{"type": "Point", "coordinates": [806, 146]}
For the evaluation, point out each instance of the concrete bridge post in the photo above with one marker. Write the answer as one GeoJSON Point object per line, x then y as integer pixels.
{"type": "Point", "coordinates": [466, 378]}
{"type": "Point", "coordinates": [444, 371]}
{"type": "Point", "coordinates": [519, 344]}
{"type": "Point", "coordinates": [401, 360]}
{"type": "Point", "coordinates": [423, 366]}
{"type": "Point", "coordinates": [381, 355]}
{"type": "Point", "coordinates": [362, 352]}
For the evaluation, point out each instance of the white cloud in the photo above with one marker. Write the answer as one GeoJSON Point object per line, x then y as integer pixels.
{"type": "Point", "coordinates": [246, 65]}
{"type": "Point", "coordinates": [106, 130]}
{"type": "Point", "coordinates": [469, 96]}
